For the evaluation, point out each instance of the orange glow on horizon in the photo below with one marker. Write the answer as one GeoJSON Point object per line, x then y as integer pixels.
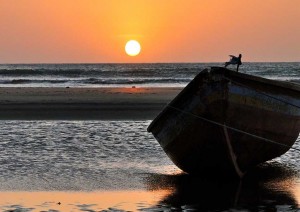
{"type": "Point", "coordinates": [169, 31]}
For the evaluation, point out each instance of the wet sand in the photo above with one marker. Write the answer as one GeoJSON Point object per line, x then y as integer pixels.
{"type": "Point", "coordinates": [80, 201]}
{"type": "Point", "coordinates": [273, 187]}
{"type": "Point", "coordinates": [269, 188]}
{"type": "Point", "coordinates": [83, 103]}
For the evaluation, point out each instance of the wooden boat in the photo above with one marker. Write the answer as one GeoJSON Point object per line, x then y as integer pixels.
{"type": "Point", "coordinates": [226, 122]}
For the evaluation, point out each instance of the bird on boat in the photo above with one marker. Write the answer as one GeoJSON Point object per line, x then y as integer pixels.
{"type": "Point", "coordinates": [234, 61]}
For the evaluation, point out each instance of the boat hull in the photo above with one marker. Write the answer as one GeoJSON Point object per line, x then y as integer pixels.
{"type": "Point", "coordinates": [227, 122]}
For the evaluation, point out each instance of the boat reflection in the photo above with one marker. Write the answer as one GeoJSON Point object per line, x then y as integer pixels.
{"type": "Point", "coordinates": [268, 187]}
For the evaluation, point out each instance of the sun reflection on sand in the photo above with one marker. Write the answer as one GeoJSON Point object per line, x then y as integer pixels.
{"type": "Point", "coordinates": [132, 89]}
{"type": "Point", "coordinates": [78, 201]}
{"type": "Point", "coordinates": [295, 190]}
{"type": "Point", "coordinates": [266, 188]}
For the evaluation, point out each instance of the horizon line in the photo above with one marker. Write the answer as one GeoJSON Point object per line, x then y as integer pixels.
{"type": "Point", "coordinates": [62, 63]}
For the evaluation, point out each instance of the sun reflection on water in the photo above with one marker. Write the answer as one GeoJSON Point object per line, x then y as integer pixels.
{"type": "Point", "coordinates": [81, 201]}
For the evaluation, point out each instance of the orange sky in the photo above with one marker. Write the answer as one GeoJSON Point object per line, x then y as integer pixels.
{"type": "Point", "coordinates": [75, 31]}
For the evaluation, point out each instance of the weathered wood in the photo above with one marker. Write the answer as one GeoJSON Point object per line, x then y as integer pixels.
{"type": "Point", "coordinates": [191, 129]}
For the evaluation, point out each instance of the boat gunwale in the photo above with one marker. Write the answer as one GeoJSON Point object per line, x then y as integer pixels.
{"type": "Point", "coordinates": [234, 74]}
{"type": "Point", "coordinates": [284, 84]}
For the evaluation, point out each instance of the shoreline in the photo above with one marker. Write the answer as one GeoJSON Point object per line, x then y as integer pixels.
{"type": "Point", "coordinates": [110, 103]}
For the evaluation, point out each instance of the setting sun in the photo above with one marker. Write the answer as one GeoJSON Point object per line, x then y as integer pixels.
{"type": "Point", "coordinates": [132, 48]}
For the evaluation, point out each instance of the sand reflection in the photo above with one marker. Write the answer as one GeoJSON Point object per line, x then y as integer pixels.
{"type": "Point", "coordinates": [271, 187]}
{"type": "Point", "coordinates": [296, 192]}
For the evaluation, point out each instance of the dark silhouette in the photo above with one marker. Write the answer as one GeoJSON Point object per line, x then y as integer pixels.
{"type": "Point", "coordinates": [235, 61]}
{"type": "Point", "coordinates": [263, 188]}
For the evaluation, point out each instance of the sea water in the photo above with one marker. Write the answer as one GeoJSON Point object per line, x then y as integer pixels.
{"type": "Point", "coordinates": [101, 156]}
{"type": "Point", "coordinates": [116, 75]}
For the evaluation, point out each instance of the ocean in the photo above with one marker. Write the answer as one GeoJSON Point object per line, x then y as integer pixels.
{"type": "Point", "coordinates": [118, 164]}
{"type": "Point", "coordinates": [120, 75]}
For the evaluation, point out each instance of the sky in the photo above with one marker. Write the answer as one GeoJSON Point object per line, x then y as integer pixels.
{"type": "Point", "coordinates": [96, 31]}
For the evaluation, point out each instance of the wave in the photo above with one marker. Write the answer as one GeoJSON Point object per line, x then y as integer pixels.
{"type": "Point", "coordinates": [28, 81]}
{"type": "Point", "coordinates": [101, 70]}
{"type": "Point", "coordinates": [41, 72]}
{"type": "Point", "coordinates": [136, 80]}
{"type": "Point", "coordinates": [128, 74]}
{"type": "Point", "coordinates": [97, 73]}
{"type": "Point", "coordinates": [99, 81]}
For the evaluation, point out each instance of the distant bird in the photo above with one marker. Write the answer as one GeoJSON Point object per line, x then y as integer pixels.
{"type": "Point", "coordinates": [234, 61]}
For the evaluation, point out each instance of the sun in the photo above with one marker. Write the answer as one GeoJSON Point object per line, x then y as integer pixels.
{"type": "Point", "coordinates": [132, 48]}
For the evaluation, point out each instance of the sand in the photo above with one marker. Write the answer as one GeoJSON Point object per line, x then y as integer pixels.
{"type": "Point", "coordinates": [128, 200]}
{"type": "Point", "coordinates": [268, 189]}
{"type": "Point", "coordinates": [273, 186]}
{"type": "Point", "coordinates": [83, 103]}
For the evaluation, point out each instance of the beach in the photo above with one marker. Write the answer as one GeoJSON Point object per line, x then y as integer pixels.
{"type": "Point", "coordinates": [93, 116]}
{"type": "Point", "coordinates": [84, 103]}
{"type": "Point", "coordinates": [71, 142]}
{"type": "Point", "coordinates": [268, 188]}
{"type": "Point", "coordinates": [40, 128]}
{"type": "Point", "coordinates": [87, 149]}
